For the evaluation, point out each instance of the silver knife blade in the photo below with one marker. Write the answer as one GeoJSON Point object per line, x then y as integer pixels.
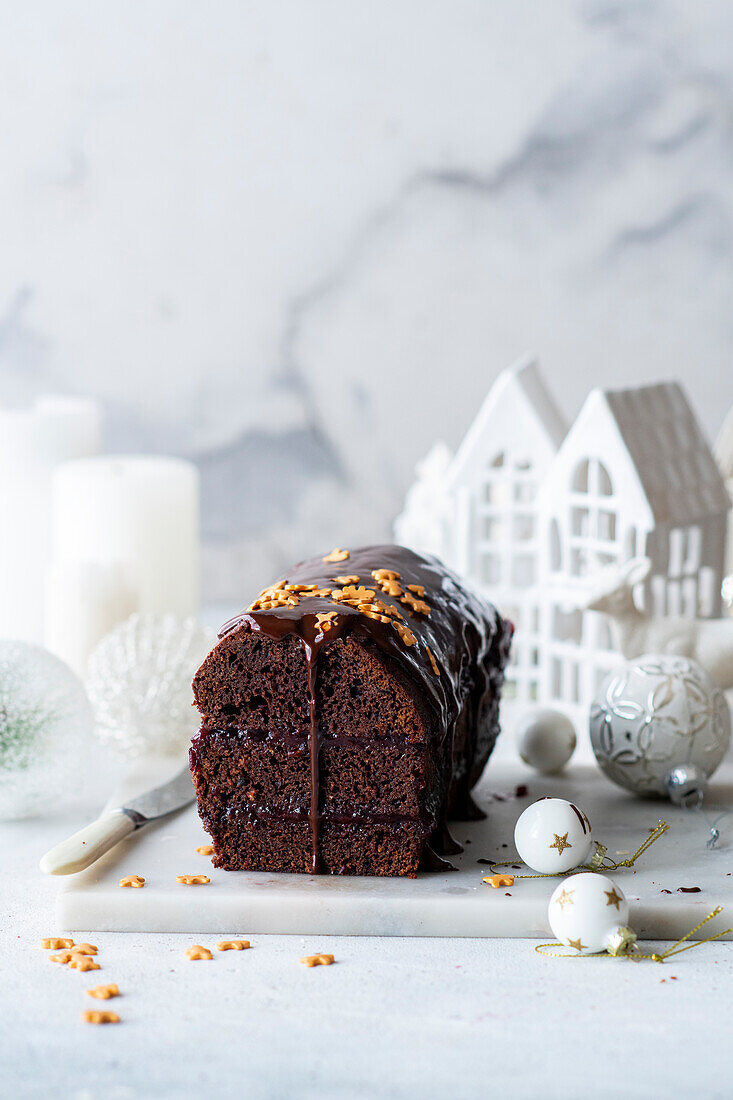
{"type": "Point", "coordinates": [173, 795]}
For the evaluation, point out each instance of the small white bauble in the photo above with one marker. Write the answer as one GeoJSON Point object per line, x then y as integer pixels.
{"type": "Point", "coordinates": [553, 835]}
{"type": "Point", "coordinates": [545, 740]}
{"type": "Point", "coordinates": [589, 913]}
{"type": "Point", "coordinates": [655, 713]}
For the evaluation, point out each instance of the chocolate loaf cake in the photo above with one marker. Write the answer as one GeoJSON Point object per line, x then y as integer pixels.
{"type": "Point", "coordinates": [346, 714]}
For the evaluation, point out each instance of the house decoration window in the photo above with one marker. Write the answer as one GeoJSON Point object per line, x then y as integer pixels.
{"type": "Point", "coordinates": [506, 548]}
{"type": "Point", "coordinates": [592, 531]}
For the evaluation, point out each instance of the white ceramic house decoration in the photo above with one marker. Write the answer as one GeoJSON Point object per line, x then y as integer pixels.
{"type": "Point", "coordinates": [724, 456]}
{"type": "Point", "coordinates": [530, 514]}
{"type": "Point", "coordinates": [634, 476]}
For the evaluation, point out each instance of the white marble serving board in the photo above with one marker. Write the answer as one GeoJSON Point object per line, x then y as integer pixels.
{"type": "Point", "coordinates": [448, 904]}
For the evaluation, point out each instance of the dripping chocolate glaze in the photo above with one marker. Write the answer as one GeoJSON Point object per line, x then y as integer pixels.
{"type": "Point", "coordinates": [461, 632]}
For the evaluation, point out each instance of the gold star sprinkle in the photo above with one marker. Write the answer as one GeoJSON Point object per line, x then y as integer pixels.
{"type": "Point", "coordinates": [336, 555]}
{"type": "Point", "coordinates": [565, 898]}
{"type": "Point", "coordinates": [577, 945]}
{"type": "Point", "coordinates": [561, 843]}
{"type": "Point", "coordinates": [613, 898]}
{"type": "Point", "coordinates": [405, 634]}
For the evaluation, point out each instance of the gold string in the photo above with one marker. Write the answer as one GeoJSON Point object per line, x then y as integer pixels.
{"type": "Point", "coordinates": [636, 956]}
{"type": "Point", "coordinates": [661, 828]}
{"type": "Point", "coordinates": [675, 949]}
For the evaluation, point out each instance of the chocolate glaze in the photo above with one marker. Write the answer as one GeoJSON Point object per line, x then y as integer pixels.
{"type": "Point", "coordinates": [464, 633]}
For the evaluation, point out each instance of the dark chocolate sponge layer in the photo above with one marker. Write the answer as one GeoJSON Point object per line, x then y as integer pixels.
{"type": "Point", "coordinates": [343, 744]}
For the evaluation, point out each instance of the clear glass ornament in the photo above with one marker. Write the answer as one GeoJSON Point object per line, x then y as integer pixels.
{"type": "Point", "coordinates": [139, 681]}
{"type": "Point", "coordinates": [45, 728]}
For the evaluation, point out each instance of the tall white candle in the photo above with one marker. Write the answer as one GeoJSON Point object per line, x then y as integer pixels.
{"type": "Point", "coordinates": [85, 601]}
{"type": "Point", "coordinates": [140, 512]}
{"type": "Point", "coordinates": [33, 442]}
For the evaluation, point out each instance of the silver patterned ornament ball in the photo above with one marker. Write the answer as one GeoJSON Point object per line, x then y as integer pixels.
{"type": "Point", "coordinates": [655, 715]}
{"type": "Point", "coordinates": [139, 681]}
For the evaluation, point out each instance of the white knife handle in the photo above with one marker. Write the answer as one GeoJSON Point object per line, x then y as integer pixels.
{"type": "Point", "coordinates": [88, 844]}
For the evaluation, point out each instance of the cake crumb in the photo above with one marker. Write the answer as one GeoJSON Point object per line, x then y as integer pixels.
{"type": "Point", "coordinates": [232, 945]}
{"type": "Point", "coordinates": [198, 952]}
{"type": "Point", "coordinates": [55, 944]}
{"type": "Point", "coordinates": [205, 849]}
{"type": "Point", "coordinates": [136, 881]}
{"type": "Point", "coordinates": [95, 1017]}
{"type": "Point", "coordinates": [104, 992]}
{"type": "Point", "coordinates": [498, 880]}
{"type": "Point", "coordinates": [337, 554]}
{"type": "Point", "coordinates": [193, 880]}
{"type": "Point", "coordinates": [317, 960]}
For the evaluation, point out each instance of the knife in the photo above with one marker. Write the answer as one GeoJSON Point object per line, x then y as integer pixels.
{"type": "Point", "coordinates": [91, 842]}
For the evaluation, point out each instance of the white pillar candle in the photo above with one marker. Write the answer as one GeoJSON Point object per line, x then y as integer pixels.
{"type": "Point", "coordinates": [140, 512]}
{"type": "Point", "coordinates": [33, 442]}
{"type": "Point", "coordinates": [84, 601]}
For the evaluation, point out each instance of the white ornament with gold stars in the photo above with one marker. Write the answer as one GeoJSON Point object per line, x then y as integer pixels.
{"type": "Point", "coordinates": [553, 836]}
{"type": "Point", "coordinates": [589, 913]}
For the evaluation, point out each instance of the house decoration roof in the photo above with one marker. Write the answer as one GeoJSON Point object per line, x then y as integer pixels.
{"type": "Point", "coordinates": [674, 463]}
{"type": "Point", "coordinates": [723, 449]}
{"type": "Point", "coordinates": [521, 381]}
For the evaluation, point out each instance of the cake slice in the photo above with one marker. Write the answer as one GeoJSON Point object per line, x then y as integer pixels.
{"type": "Point", "coordinates": [346, 714]}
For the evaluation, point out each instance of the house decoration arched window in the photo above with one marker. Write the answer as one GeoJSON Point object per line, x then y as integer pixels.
{"type": "Point", "coordinates": [506, 523]}
{"type": "Point", "coordinates": [592, 528]}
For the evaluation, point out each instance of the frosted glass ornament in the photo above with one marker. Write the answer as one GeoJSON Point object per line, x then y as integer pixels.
{"type": "Point", "coordinates": [651, 715]}
{"type": "Point", "coordinates": [589, 913]}
{"type": "Point", "coordinates": [553, 836]}
{"type": "Point", "coordinates": [139, 681]}
{"type": "Point", "coordinates": [45, 729]}
{"type": "Point", "coordinates": [545, 740]}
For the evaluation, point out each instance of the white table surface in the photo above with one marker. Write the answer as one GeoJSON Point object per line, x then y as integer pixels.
{"type": "Point", "coordinates": [393, 1018]}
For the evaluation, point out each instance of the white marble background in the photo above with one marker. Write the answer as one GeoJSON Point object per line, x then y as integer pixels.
{"type": "Point", "coordinates": [297, 240]}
